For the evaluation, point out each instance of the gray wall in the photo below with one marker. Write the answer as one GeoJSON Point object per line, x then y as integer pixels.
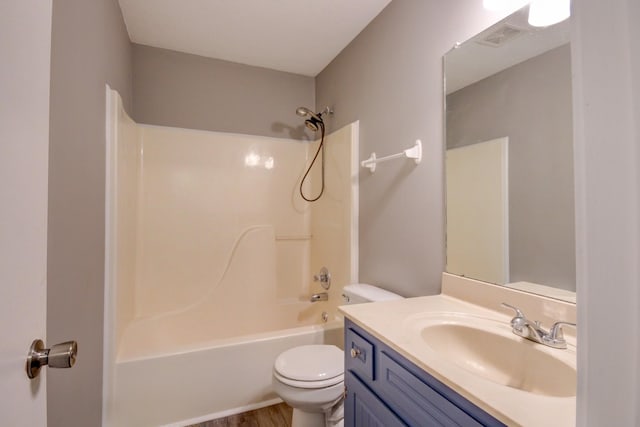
{"type": "Point", "coordinates": [189, 91]}
{"type": "Point", "coordinates": [607, 163]}
{"type": "Point", "coordinates": [390, 78]}
{"type": "Point", "coordinates": [531, 104]}
{"type": "Point", "coordinates": [90, 47]}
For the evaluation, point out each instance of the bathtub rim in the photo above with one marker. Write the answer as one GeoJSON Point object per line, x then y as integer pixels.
{"type": "Point", "coordinates": [336, 323]}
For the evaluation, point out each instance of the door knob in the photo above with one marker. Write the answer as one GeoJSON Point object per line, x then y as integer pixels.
{"type": "Point", "coordinates": [61, 355]}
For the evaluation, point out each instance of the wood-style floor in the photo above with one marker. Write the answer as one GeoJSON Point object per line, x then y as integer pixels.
{"type": "Point", "coordinates": [271, 416]}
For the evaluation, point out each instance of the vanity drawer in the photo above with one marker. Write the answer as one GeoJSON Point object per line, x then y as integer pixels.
{"type": "Point", "coordinates": [419, 403]}
{"type": "Point", "coordinates": [359, 355]}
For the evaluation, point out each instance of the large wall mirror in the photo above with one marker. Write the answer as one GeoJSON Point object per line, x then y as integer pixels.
{"type": "Point", "coordinates": [509, 158]}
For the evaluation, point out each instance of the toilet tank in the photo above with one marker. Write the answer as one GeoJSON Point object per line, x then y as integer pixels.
{"type": "Point", "coordinates": [361, 292]}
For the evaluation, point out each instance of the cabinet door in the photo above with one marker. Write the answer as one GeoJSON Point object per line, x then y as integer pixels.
{"type": "Point", "coordinates": [364, 409]}
{"type": "Point", "coordinates": [415, 400]}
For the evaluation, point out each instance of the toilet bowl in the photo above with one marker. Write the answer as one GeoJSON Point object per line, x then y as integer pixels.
{"type": "Point", "coordinates": [310, 378]}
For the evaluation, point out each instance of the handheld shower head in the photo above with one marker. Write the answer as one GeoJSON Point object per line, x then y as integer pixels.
{"type": "Point", "coordinates": [312, 124]}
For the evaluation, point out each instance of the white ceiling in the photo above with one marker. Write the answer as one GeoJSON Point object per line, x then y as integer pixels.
{"type": "Point", "coordinates": [298, 36]}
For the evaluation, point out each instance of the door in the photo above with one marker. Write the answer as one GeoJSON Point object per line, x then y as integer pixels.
{"type": "Point", "coordinates": [25, 48]}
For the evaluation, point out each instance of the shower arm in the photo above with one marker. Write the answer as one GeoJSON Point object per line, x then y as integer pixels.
{"type": "Point", "coordinates": [326, 110]}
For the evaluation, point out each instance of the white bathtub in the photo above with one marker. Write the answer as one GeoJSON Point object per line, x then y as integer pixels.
{"type": "Point", "coordinates": [228, 376]}
{"type": "Point", "coordinates": [209, 260]}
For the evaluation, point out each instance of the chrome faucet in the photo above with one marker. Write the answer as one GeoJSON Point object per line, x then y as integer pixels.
{"type": "Point", "coordinates": [533, 331]}
{"type": "Point", "coordinates": [322, 296]}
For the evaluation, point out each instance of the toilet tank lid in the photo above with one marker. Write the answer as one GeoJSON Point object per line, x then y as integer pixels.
{"type": "Point", "coordinates": [370, 293]}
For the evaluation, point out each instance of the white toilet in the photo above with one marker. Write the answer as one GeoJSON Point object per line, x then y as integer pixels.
{"type": "Point", "coordinates": [310, 378]}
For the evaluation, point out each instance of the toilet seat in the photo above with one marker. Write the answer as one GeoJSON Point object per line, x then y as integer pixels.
{"type": "Point", "coordinates": [310, 366]}
{"type": "Point", "coordinates": [309, 384]}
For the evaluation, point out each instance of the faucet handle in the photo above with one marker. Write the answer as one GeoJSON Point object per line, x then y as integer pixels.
{"type": "Point", "coordinates": [555, 333]}
{"type": "Point", "coordinates": [519, 322]}
{"type": "Point", "coordinates": [519, 313]}
{"type": "Point", "coordinates": [324, 278]}
{"type": "Point", "coordinates": [555, 337]}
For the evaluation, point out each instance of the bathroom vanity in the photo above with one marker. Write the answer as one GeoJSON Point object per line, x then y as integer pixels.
{"type": "Point", "coordinates": [385, 389]}
{"type": "Point", "coordinates": [452, 359]}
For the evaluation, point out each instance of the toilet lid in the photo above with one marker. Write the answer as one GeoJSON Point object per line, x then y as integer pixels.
{"type": "Point", "coordinates": [311, 363]}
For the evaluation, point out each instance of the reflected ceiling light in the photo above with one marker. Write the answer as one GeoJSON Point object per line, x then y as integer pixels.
{"type": "Point", "coordinates": [503, 5]}
{"type": "Point", "coordinates": [543, 13]}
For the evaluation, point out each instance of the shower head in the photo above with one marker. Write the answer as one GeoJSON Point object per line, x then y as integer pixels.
{"type": "Point", "coordinates": [304, 112]}
{"type": "Point", "coordinates": [314, 122]}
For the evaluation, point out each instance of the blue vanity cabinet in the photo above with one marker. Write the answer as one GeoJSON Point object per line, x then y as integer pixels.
{"type": "Point", "coordinates": [365, 409]}
{"type": "Point", "coordinates": [385, 389]}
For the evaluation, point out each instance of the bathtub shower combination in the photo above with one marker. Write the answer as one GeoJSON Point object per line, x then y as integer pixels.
{"type": "Point", "coordinates": [210, 258]}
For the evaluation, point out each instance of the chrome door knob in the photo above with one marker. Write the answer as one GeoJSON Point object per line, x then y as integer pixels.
{"type": "Point", "coordinates": [61, 355]}
{"type": "Point", "coordinates": [355, 352]}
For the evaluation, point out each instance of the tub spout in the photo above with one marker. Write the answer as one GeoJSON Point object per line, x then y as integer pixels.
{"type": "Point", "coordinates": [322, 296]}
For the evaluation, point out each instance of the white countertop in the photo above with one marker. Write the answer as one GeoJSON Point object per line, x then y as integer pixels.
{"type": "Point", "coordinates": [390, 322]}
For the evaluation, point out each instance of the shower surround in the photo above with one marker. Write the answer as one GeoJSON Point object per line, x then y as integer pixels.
{"type": "Point", "coordinates": [209, 263]}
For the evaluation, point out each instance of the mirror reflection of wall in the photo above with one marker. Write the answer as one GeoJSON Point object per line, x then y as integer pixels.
{"type": "Point", "coordinates": [523, 94]}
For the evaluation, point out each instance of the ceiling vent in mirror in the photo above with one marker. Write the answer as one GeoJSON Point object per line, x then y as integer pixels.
{"type": "Point", "coordinates": [500, 36]}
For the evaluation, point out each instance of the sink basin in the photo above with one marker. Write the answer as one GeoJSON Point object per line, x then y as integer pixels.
{"type": "Point", "coordinates": [490, 350]}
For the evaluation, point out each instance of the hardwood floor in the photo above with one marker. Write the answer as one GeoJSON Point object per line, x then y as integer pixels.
{"type": "Point", "coordinates": [271, 416]}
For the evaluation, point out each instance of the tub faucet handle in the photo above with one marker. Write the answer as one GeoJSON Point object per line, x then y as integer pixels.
{"type": "Point", "coordinates": [324, 278]}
